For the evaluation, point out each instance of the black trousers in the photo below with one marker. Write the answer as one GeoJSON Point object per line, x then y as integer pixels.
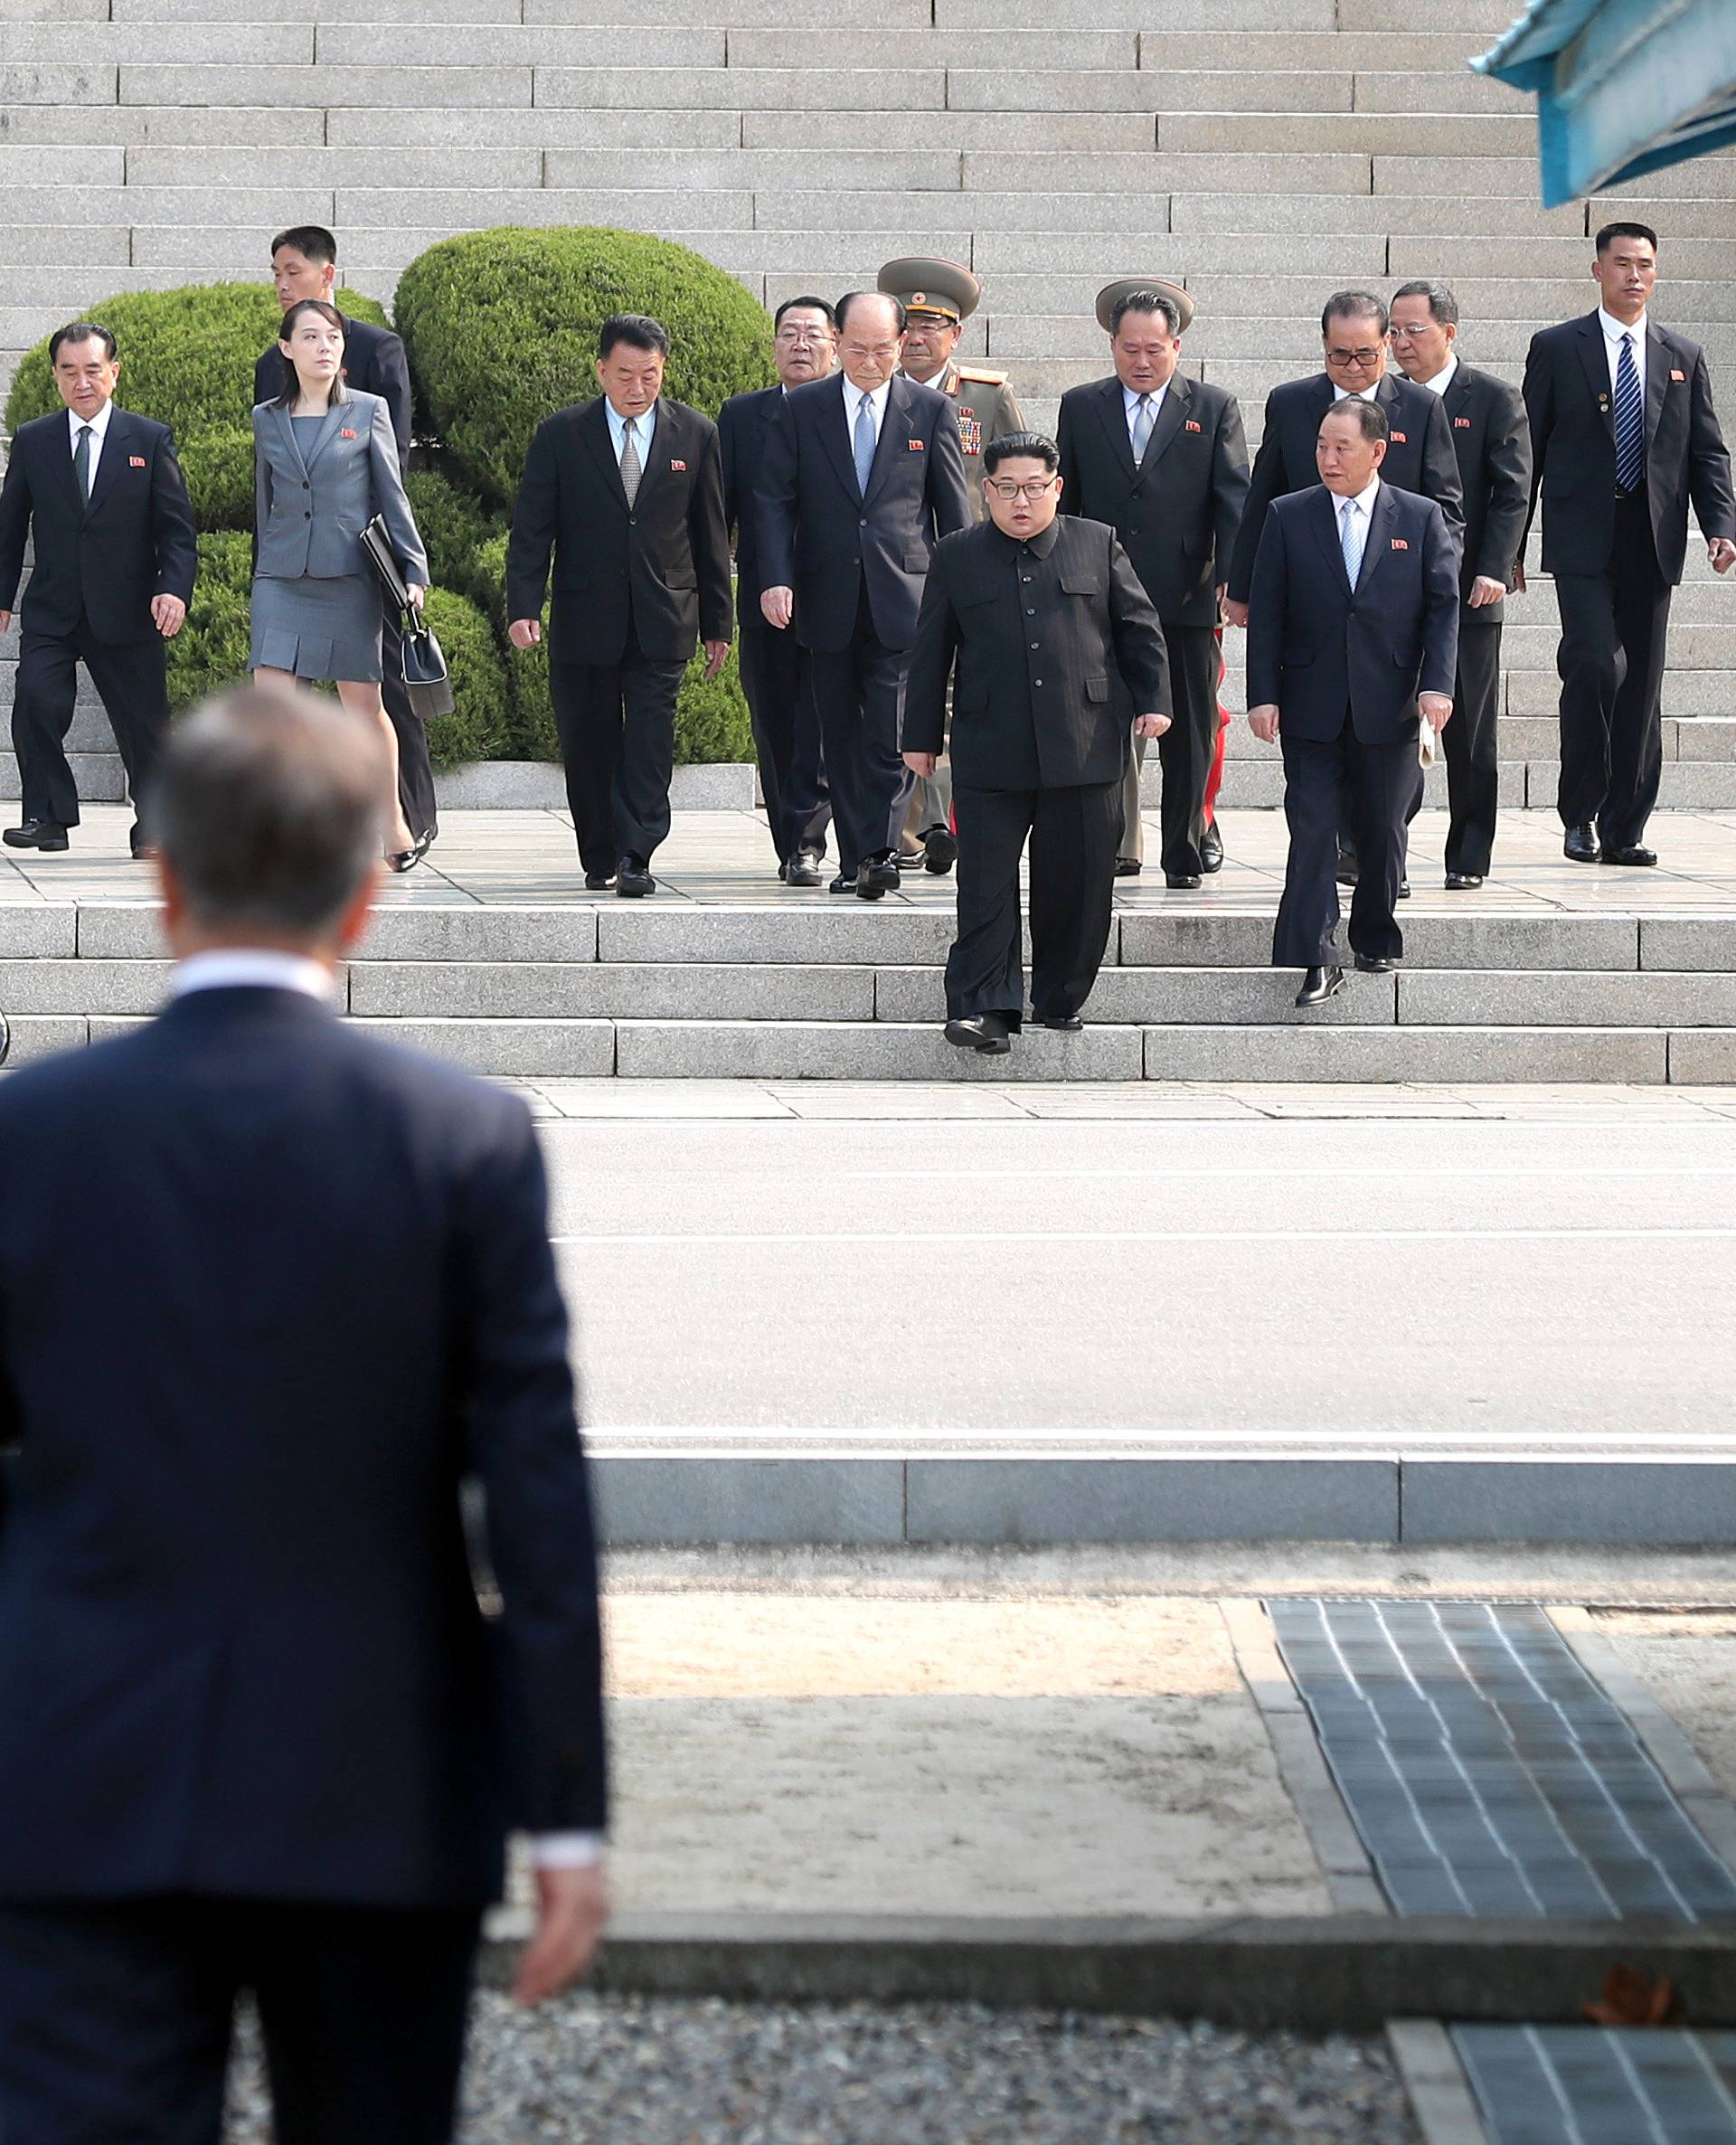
{"type": "Point", "coordinates": [1073, 835]}
{"type": "Point", "coordinates": [786, 739]}
{"type": "Point", "coordinates": [859, 698]}
{"type": "Point", "coordinates": [131, 681]}
{"type": "Point", "coordinates": [1187, 747]}
{"type": "Point", "coordinates": [617, 726]}
{"type": "Point", "coordinates": [1469, 742]}
{"type": "Point", "coordinates": [115, 2020]}
{"type": "Point", "coordinates": [1372, 787]}
{"type": "Point", "coordinates": [415, 773]}
{"type": "Point", "coordinates": [1611, 666]}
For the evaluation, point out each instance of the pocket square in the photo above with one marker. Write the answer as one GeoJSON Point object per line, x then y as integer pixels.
{"type": "Point", "coordinates": [678, 464]}
{"type": "Point", "coordinates": [915, 446]}
{"type": "Point", "coordinates": [1675, 375]}
{"type": "Point", "coordinates": [136, 461]}
{"type": "Point", "coordinates": [1399, 543]}
{"type": "Point", "coordinates": [1191, 424]}
{"type": "Point", "coordinates": [346, 432]}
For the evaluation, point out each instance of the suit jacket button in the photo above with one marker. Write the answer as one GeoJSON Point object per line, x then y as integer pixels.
{"type": "Point", "coordinates": [1139, 491]}
{"type": "Point", "coordinates": [862, 525]}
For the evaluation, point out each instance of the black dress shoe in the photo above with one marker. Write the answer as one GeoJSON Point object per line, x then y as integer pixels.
{"type": "Point", "coordinates": [633, 876]}
{"type": "Point", "coordinates": [1183, 882]}
{"type": "Point", "coordinates": [1377, 964]}
{"type": "Point", "coordinates": [1063, 1023]}
{"type": "Point", "coordinates": [598, 881]}
{"type": "Point", "coordinates": [984, 1033]}
{"type": "Point", "coordinates": [803, 869]}
{"type": "Point", "coordinates": [1579, 843]}
{"type": "Point", "coordinates": [939, 851]}
{"type": "Point", "coordinates": [1126, 867]}
{"type": "Point", "coordinates": [876, 875]}
{"type": "Point", "coordinates": [1631, 853]}
{"type": "Point", "coordinates": [144, 848]}
{"type": "Point", "coordinates": [1463, 881]}
{"type": "Point", "coordinates": [1346, 868]}
{"type": "Point", "coordinates": [1404, 889]}
{"type": "Point", "coordinates": [843, 883]}
{"type": "Point", "coordinates": [1318, 984]}
{"type": "Point", "coordinates": [36, 834]}
{"type": "Point", "coordinates": [1212, 849]}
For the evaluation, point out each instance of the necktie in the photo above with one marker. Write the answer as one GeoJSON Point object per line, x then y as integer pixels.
{"type": "Point", "coordinates": [1630, 420]}
{"type": "Point", "coordinates": [865, 443]}
{"type": "Point", "coordinates": [632, 470]}
{"type": "Point", "coordinates": [1142, 421]}
{"type": "Point", "coordinates": [1351, 540]}
{"type": "Point", "coordinates": [82, 461]}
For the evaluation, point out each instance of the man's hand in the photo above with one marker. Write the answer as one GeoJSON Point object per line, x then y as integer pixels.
{"type": "Point", "coordinates": [5, 623]}
{"type": "Point", "coordinates": [717, 653]}
{"type": "Point", "coordinates": [778, 604]}
{"type": "Point", "coordinates": [1486, 590]}
{"type": "Point", "coordinates": [167, 613]}
{"type": "Point", "coordinates": [1150, 725]}
{"type": "Point", "coordinates": [1235, 614]}
{"type": "Point", "coordinates": [1516, 584]}
{"type": "Point", "coordinates": [524, 633]}
{"type": "Point", "coordinates": [572, 1913]}
{"type": "Point", "coordinates": [922, 763]}
{"type": "Point", "coordinates": [1263, 723]}
{"type": "Point", "coordinates": [1434, 709]}
{"type": "Point", "coordinates": [1721, 551]}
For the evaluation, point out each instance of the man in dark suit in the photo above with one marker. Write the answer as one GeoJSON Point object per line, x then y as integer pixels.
{"type": "Point", "coordinates": [1353, 633]}
{"type": "Point", "coordinates": [1623, 437]}
{"type": "Point", "coordinates": [863, 475]}
{"type": "Point", "coordinates": [255, 1730]}
{"type": "Point", "coordinates": [1060, 656]}
{"type": "Point", "coordinates": [1176, 504]}
{"type": "Point", "coordinates": [101, 494]}
{"type": "Point", "coordinates": [1493, 443]}
{"type": "Point", "coordinates": [304, 264]}
{"type": "Point", "coordinates": [774, 671]}
{"type": "Point", "coordinates": [626, 495]}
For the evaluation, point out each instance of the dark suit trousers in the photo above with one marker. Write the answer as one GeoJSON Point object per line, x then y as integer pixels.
{"type": "Point", "coordinates": [1073, 833]}
{"type": "Point", "coordinates": [617, 726]}
{"type": "Point", "coordinates": [415, 773]}
{"type": "Point", "coordinates": [1188, 747]}
{"type": "Point", "coordinates": [1611, 666]}
{"type": "Point", "coordinates": [115, 2020]}
{"type": "Point", "coordinates": [859, 697]}
{"type": "Point", "coordinates": [131, 682]}
{"type": "Point", "coordinates": [1372, 786]}
{"type": "Point", "coordinates": [1469, 742]}
{"type": "Point", "coordinates": [786, 739]}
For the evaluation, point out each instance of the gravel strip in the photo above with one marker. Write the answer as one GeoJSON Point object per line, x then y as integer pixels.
{"type": "Point", "coordinates": [592, 2071]}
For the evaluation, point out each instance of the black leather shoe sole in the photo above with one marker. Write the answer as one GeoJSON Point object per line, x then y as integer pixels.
{"type": "Point", "coordinates": [599, 882]}
{"type": "Point", "coordinates": [939, 851]}
{"type": "Point", "coordinates": [1331, 984]}
{"type": "Point", "coordinates": [964, 1034]}
{"type": "Point", "coordinates": [1182, 882]}
{"type": "Point", "coordinates": [1635, 856]}
{"type": "Point", "coordinates": [1378, 965]}
{"type": "Point", "coordinates": [635, 885]}
{"type": "Point", "coordinates": [16, 837]}
{"type": "Point", "coordinates": [1125, 868]}
{"type": "Point", "coordinates": [1579, 845]}
{"type": "Point", "coordinates": [1463, 881]}
{"type": "Point", "coordinates": [1066, 1025]}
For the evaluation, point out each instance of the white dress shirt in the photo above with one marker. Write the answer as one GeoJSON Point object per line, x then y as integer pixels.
{"type": "Point", "coordinates": [854, 398]}
{"type": "Point", "coordinates": [643, 427]}
{"type": "Point", "coordinates": [1361, 394]}
{"type": "Point", "coordinates": [1443, 379]}
{"type": "Point", "coordinates": [1613, 331]}
{"type": "Point", "coordinates": [267, 967]}
{"type": "Point", "coordinates": [98, 432]}
{"type": "Point", "coordinates": [1130, 400]}
{"type": "Point", "coordinates": [1362, 508]}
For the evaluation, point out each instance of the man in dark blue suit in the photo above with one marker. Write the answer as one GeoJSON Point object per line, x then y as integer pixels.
{"type": "Point", "coordinates": [1353, 631]}
{"type": "Point", "coordinates": [861, 480]}
{"type": "Point", "coordinates": [255, 1731]}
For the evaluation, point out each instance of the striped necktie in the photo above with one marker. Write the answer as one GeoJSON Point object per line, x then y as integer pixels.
{"type": "Point", "coordinates": [632, 468]}
{"type": "Point", "coordinates": [1630, 422]}
{"type": "Point", "coordinates": [1349, 541]}
{"type": "Point", "coordinates": [1142, 421]}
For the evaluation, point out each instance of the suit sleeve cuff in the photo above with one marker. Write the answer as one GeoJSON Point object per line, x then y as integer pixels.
{"type": "Point", "coordinates": [566, 1850]}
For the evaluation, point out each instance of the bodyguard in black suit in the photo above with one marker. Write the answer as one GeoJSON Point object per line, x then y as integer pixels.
{"type": "Point", "coordinates": [255, 1731]}
{"type": "Point", "coordinates": [773, 672]}
{"type": "Point", "coordinates": [304, 264]}
{"type": "Point", "coordinates": [1352, 633]}
{"type": "Point", "coordinates": [1492, 441]}
{"type": "Point", "coordinates": [101, 492]}
{"type": "Point", "coordinates": [1060, 656]}
{"type": "Point", "coordinates": [1176, 510]}
{"type": "Point", "coordinates": [861, 480]}
{"type": "Point", "coordinates": [626, 495]}
{"type": "Point", "coordinates": [1623, 437]}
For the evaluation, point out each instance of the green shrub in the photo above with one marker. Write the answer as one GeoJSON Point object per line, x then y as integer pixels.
{"type": "Point", "coordinates": [478, 725]}
{"type": "Point", "coordinates": [455, 527]}
{"type": "Point", "coordinates": [502, 329]}
{"type": "Point", "coordinates": [211, 650]}
{"type": "Point", "coordinates": [186, 359]}
{"type": "Point", "coordinates": [712, 716]}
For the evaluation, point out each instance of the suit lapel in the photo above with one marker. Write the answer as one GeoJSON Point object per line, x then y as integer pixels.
{"type": "Point", "coordinates": [1593, 357]}
{"type": "Point", "coordinates": [1169, 422]}
{"type": "Point", "coordinates": [1378, 543]}
{"type": "Point", "coordinates": [833, 420]}
{"type": "Point", "coordinates": [57, 439]}
{"type": "Point", "coordinates": [327, 432]}
{"type": "Point", "coordinates": [1326, 530]}
{"type": "Point", "coordinates": [1112, 408]}
{"type": "Point", "coordinates": [1657, 377]}
{"type": "Point", "coordinates": [1458, 397]}
{"type": "Point", "coordinates": [593, 424]}
{"type": "Point", "coordinates": [114, 450]}
{"type": "Point", "coordinates": [897, 429]}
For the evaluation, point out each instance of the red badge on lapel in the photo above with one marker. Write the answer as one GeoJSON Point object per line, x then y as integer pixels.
{"type": "Point", "coordinates": [346, 432]}
{"type": "Point", "coordinates": [678, 464]}
{"type": "Point", "coordinates": [1401, 439]}
{"type": "Point", "coordinates": [1461, 424]}
{"type": "Point", "coordinates": [1399, 543]}
{"type": "Point", "coordinates": [136, 461]}
{"type": "Point", "coordinates": [915, 446]}
{"type": "Point", "coordinates": [1675, 375]}
{"type": "Point", "coordinates": [1189, 424]}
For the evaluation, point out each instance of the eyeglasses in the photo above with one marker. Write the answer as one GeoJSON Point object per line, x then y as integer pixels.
{"type": "Point", "coordinates": [799, 336]}
{"type": "Point", "coordinates": [1402, 333]}
{"type": "Point", "coordinates": [1341, 361]}
{"type": "Point", "coordinates": [1006, 487]}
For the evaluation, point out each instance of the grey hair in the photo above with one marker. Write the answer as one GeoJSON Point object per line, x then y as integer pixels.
{"type": "Point", "coordinates": [1442, 303]}
{"type": "Point", "coordinates": [270, 810]}
{"type": "Point", "coordinates": [1369, 419]}
{"type": "Point", "coordinates": [1353, 304]}
{"type": "Point", "coordinates": [1145, 301]}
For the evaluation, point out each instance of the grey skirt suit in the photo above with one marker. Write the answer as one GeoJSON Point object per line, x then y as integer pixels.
{"type": "Point", "coordinates": [316, 604]}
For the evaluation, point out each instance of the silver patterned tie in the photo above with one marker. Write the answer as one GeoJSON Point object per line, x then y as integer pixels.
{"type": "Point", "coordinates": [865, 442]}
{"type": "Point", "coordinates": [632, 468]}
{"type": "Point", "coordinates": [1351, 540]}
{"type": "Point", "coordinates": [1142, 421]}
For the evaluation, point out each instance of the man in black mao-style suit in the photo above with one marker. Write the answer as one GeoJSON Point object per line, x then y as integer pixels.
{"type": "Point", "coordinates": [256, 1731]}
{"type": "Point", "coordinates": [625, 494]}
{"type": "Point", "coordinates": [101, 493]}
{"type": "Point", "coordinates": [1493, 443]}
{"type": "Point", "coordinates": [861, 478]}
{"type": "Point", "coordinates": [1351, 635]}
{"type": "Point", "coordinates": [1624, 437]}
{"type": "Point", "coordinates": [304, 264]}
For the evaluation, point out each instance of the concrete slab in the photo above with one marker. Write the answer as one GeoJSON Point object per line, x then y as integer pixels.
{"type": "Point", "coordinates": [1567, 1500]}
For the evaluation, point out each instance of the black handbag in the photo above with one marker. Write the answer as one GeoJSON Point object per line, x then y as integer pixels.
{"type": "Point", "coordinates": [427, 686]}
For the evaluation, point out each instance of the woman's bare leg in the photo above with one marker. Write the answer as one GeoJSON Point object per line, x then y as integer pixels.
{"type": "Point", "coordinates": [363, 699]}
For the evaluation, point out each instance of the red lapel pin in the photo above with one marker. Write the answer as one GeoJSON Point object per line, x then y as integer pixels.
{"type": "Point", "coordinates": [135, 461]}
{"type": "Point", "coordinates": [1461, 424]}
{"type": "Point", "coordinates": [1675, 375]}
{"type": "Point", "coordinates": [1191, 424]}
{"type": "Point", "coordinates": [916, 447]}
{"type": "Point", "coordinates": [346, 432]}
{"type": "Point", "coordinates": [1401, 439]}
{"type": "Point", "coordinates": [678, 464]}
{"type": "Point", "coordinates": [1399, 543]}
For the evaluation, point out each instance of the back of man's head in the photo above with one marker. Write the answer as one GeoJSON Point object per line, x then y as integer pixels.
{"type": "Point", "coordinates": [270, 810]}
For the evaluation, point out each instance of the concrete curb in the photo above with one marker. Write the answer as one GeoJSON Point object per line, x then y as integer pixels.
{"type": "Point", "coordinates": [1310, 1974]}
{"type": "Point", "coordinates": [1440, 2093]}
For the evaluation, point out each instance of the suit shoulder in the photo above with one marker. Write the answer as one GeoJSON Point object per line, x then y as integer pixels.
{"type": "Point", "coordinates": [1290, 391]}
{"type": "Point", "coordinates": [689, 418]}
{"type": "Point", "coordinates": [1076, 396]}
{"type": "Point", "coordinates": [1209, 396]}
{"type": "Point", "coordinates": [367, 335]}
{"type": "Point", "coordinates": [980, 376]}
{"type": "Point", "coordinates": [742, 405]}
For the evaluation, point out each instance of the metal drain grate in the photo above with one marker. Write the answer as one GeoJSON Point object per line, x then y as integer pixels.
{"type": "Point", "coordinates": [1582, 2085]}
{"type": "Point", "coordinates": [1486, 1771]}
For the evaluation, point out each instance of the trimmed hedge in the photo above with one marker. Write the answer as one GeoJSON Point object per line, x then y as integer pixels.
{"type": "Point", "coordinates": [456, 528]}
{"type": "Point", "coordinates": [501, 326]}
{"type": "Point", "coordinates": [479, 723]}
{"type": "Point", "coordinates": [211, 648]}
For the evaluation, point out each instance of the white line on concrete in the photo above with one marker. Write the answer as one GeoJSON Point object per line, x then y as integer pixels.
{"type": "Point", "coordinates": [639, 1241]}
{"type": "Point", "coordinates": [1514, 1445]}
{"type": "Point", "coordinates": [1582, 1174]}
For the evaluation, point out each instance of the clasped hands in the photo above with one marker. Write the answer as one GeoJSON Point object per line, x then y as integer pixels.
{"type": "Point", "coordinates": [1433, 707]}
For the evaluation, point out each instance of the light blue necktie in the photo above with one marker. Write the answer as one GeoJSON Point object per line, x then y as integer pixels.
{"type": "Point", "coordinates": [1351, 540]}
{"type": "Point", "coordinates": [865, 444]}
{"type": "Point", "coordinates": [1630, 420]}
{"type": "Point", "coordinates": [1142, 421]}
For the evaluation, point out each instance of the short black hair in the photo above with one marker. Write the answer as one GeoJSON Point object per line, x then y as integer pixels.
{"type": "Point", "coordinates": [1611, 231]}
{"type": "Point", "coordinates": [1353, 304]}
{"type": "Point", "coordinates": [1370, 417]}
{"type": "Point", "coordinates": [639, 331]}
{"type": "Point", "coordinates": [1145, 301]}
{"type": "Point", "coordinates": [1442, 303]}
{"type": "Point", "coordinates": [851, 297]}
{"type": "Point", "coordinates": [804, 305]}
{"type": "Point", "coordinates": [313, 241]}
{"type": "Point", "coordinates": [80, 331]}
{"type": "Point", "coordinates": [1033, 446]}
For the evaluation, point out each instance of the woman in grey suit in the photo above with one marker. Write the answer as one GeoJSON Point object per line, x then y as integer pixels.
{"type": "Point", "coordinates": [326, 462]}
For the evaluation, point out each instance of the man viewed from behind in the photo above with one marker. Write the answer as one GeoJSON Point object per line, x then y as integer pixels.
{"type": "Point", "coordinates": [254, 1731]}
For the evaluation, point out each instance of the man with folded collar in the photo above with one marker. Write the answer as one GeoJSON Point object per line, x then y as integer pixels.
{"type": "Point", "coordinates": [1351, 635]}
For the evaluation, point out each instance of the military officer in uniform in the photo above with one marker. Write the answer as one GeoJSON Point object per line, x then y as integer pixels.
{"type": "Point", "coordinates": [939, 297]}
